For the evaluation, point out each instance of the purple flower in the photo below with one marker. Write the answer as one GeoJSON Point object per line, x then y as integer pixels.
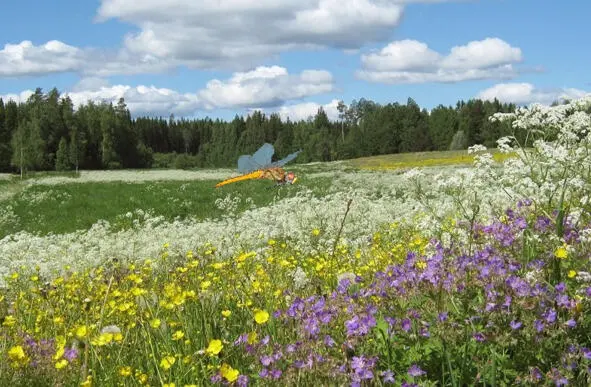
{"type": "Point", "coordinates": [571, 323]}
{"type": "Point", "coordinates": [276, 374]}
{"type": "Point", "coordinates": [551, 316]}
{"type": "Point", "coordinates": [415, 371]}
{"type": "Point", "coordinates": [586, 353]}
{"type": "Point", "coordinates": [539, 325]}
{"type": "Point", "coordinates": [405, 325]}
{"type": "Point", "coordinates": [266, 360]}
{"type": "Point", "coordinates": [264, 373]}
{"type": "Point", "coordinates": [515, 324]}
{"type": "Point", "coordinates": [559, 380]}
{"type": "Point", "coordinates": [387, 376]}
{"type": "Point", "coordinates": [442, 316]}
{"type": "Point", "coordinates": [478, 336]}
{"type": "Point", "coordinates": [328, 341]}
{"type": "Point", "coordinates": [216, 378]}
{"type": "Point", "coordinates": [242, 381]}
{"type": "Point", "coordinates": [535, 374]}
{"type": "Point", "coordinates": [71, 354]}
{"type": "Point", "coordinates": [560, 287]}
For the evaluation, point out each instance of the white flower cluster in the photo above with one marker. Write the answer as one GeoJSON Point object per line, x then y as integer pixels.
{"type": "Point", "coordinates": [555, 167]}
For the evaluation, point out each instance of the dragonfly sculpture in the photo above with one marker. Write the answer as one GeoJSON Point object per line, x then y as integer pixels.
{"type": "Point", "coordinates": [260, 166]}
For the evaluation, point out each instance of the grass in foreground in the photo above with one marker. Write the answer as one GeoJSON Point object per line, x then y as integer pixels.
{"type": "Point", "coordinates": [406, 312]}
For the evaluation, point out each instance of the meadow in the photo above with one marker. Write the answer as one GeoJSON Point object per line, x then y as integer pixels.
{"type": "Point", "coordinates": [432, 269]}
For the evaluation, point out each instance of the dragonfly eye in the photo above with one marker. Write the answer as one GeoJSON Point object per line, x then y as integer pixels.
{"type": "Point", "coordinates": [290, 177]}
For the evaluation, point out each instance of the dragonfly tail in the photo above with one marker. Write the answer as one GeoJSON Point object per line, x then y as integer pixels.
{"type": "Point", "coordinates": [248, 176]}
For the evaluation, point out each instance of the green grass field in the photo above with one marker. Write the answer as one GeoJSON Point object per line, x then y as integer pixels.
{"type": "Point", "coordinates": [63, 208]}
{"type": "Point", "coordinates": [67, 207]}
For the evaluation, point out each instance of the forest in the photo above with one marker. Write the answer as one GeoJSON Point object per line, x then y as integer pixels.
{"type": "Point", "coordinates": [47, 133]}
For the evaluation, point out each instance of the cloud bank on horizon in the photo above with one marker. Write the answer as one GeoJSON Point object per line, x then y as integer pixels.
{"type": "Point", "coordinates": [264, 56]}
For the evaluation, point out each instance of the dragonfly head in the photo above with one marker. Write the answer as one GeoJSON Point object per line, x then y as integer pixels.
{"type": "Point", "coordinates": [290, 178]}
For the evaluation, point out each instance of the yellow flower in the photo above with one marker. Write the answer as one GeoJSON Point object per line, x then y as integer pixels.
{"type": "Point", "coordinates": [178, 335]}
{"type": "Point", "coordinates": [103, 339]}
{"type": "Point", "coordinates": [61, 364]}
{"type": "Point", "coordinates": [167, 362]}
{"type": "Point", "coordinates": [9, 321]}
{"type": "Point", "coordinates": [561, 253]}
{"type": "Point", "coordinates": [252, 338]}
{"type": "Point", "coordinates": [87, 382]}
{"type": "Point", "coordinates": [142, 378]}
{"type": "Point", "coordinates": [226, 313]}
{"type": "Point", "coordinates": [205, 285]}
{"type": "Point", "coordinates": [214, 347]}
{"type": "Point", "coordinates": [169, 385]}
{"type": "Point", "coordinates": [155, 323]}
{"type": "Point", "coordinates": [421, 265]}
{"type": "Point", "coordinates": [81, 332]}
{"type": "Point", "coordinates": [316, 232]}
{"type": "Point", "coordinates": [17, 353]}
{"type": "Point", "coordinates": [125, 371]}
{"type": "Point", "coordinates": [261, 316]}
{"type": "Point", "coordinates": [229, 373]}
{"type": "Point", "coordinates": [572, 274]}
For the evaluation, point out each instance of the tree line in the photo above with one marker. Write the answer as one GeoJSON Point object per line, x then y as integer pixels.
{"type": "Point", "coordinates": [47, 133]}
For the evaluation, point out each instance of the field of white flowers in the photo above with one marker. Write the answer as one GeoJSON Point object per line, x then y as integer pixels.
{"type": "Point", "coordinates": [378, 198]}
{"type": "Point", "coordinates": [392, 216]}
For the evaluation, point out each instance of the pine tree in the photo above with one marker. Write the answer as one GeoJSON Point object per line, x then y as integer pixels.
{"type": "Point", "coordinates": [62, 162]}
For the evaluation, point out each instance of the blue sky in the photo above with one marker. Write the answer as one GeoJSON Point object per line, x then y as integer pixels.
{"type": "Point", "coordinates": [195, 57]}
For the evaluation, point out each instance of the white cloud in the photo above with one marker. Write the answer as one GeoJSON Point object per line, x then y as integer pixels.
{"type": "Point", "coordinates": [238, 33]}
{"type": "Point", "coordinates": [203, 34]}
{"type": "Point", "coordinates": [27, 59]}
{"type": "Point", "coordinates": [410, 61]}
{"type": "Point", "coordinates": [18, 98]}
{"type": "Point", "coordinates": [526, 93]}
{"type": "Point", "coordinates": [262, 87]}
{"type": "Point", "coordinates": [302, 111]}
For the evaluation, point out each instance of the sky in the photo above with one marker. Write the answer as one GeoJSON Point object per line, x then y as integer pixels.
{"type": "Point", "coordinates": [218, 58]}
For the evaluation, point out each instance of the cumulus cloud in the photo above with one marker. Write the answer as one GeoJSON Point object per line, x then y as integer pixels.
{"type": "Point", "coordinates": [202, 34]}
{"type": "Point", "coordinates": [526, 93]}
{"type": "Point", "coordinates": [305, 110]}
{"type": "Point", "coordinates": [27, 59]}
{"type": "Point", "coordinates": [262, 87]}
{"type": "Point", "coordinates": [411, 61]}
{"type": "Point", "coordinates": [23, 96]}
{"type": "Point", "coordinates": [236, 33]}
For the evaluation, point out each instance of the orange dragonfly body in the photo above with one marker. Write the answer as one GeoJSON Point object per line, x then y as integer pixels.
{"type": "Point", "coordinates": [260, 166]}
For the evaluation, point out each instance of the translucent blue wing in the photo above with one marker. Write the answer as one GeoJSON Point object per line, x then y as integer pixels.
{"type": "Point", "coordinates": [286, 160]}
{"type": "Point", "coordinates": [264, 155]}
{"type": "Point", "coordinates": [246, 164]}
{"type": "Point", "coordinates": [259, 160]}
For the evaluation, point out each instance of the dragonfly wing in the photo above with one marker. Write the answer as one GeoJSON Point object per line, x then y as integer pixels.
{"type": "Point", "coordinates": [286, 160]}
{"type": "Point", "coordinates": [246, 164]}
{"type": "Point", "coordinates": [264, 155]}
{"type": "Point", "coordinates": [261, 159]}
